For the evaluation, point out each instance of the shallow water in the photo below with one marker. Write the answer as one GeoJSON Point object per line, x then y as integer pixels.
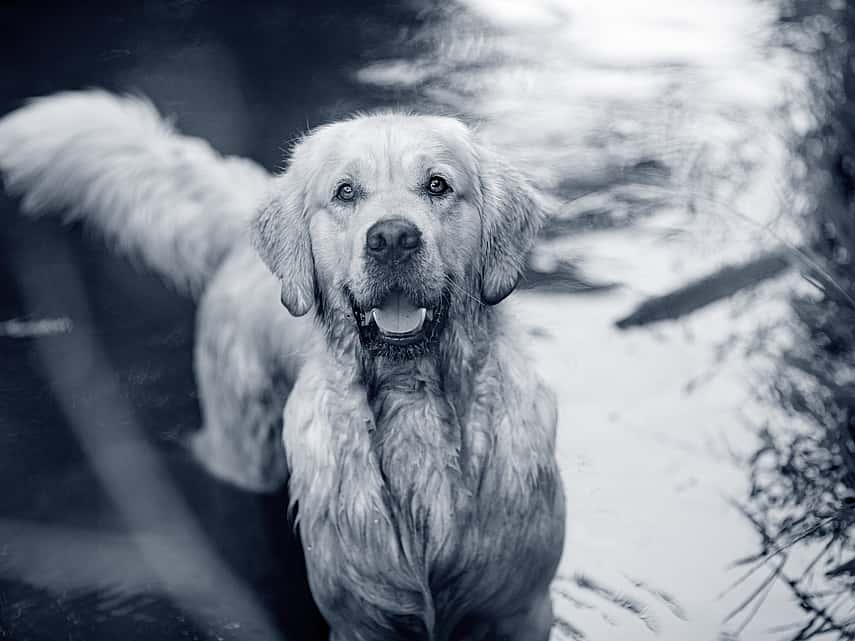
{"type": "Point", "coordinates": [663, 136]}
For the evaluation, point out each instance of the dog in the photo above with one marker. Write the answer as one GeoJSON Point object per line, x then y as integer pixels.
{"type": "Point", "coordinates": [418, 444]}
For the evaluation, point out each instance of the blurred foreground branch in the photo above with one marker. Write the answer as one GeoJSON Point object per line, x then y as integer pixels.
{"type": "Point", "coordinates": [16, 328]}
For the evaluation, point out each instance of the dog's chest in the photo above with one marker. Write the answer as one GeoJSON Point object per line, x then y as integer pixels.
{"type": "Point", "coordinates": [419, 446]}
{"type": "Point", "coordinates": [402, 505]}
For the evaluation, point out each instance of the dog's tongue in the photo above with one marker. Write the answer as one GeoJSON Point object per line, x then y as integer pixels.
{"type": "Point", "coordinates": [397, 315]}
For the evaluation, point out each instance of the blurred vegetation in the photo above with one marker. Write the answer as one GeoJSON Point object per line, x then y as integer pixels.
{"type": "Point", "coordinates": [802, 497]}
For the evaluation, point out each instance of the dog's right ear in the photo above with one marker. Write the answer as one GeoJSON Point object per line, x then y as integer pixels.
{"type": "Point", "coordinates": [280, 234]}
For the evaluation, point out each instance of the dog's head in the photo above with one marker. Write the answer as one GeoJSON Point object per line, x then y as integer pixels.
{"type": "Point", "coordinates": [391, 221]}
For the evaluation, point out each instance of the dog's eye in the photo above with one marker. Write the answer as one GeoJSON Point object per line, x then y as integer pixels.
{"type": "Point", "coordinates": [345, 192]}
{"type": "Point", "coordinates": [437, 186]}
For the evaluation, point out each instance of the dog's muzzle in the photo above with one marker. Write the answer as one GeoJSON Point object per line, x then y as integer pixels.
{"type": "Point", "coordinates": [397, 316]}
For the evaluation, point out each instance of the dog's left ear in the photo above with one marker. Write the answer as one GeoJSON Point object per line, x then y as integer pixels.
{"type": "Point", "coordinates": [512, 215]}
{"type": "Point", "coordinates": [280, 235]}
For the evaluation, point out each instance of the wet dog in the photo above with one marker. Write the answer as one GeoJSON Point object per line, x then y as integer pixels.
{"type": "Point", "coordinates": [418, 444]}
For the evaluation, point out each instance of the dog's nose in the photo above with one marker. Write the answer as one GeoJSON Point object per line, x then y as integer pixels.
{"type": "Point", "coordinates": [392, 240]}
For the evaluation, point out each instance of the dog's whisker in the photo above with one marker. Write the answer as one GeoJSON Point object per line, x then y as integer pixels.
{"type": "Point", "coordinates": [460, 289]}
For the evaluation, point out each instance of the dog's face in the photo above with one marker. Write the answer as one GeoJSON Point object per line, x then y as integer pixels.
{"type": "Point", "coordinates": [388, 220]}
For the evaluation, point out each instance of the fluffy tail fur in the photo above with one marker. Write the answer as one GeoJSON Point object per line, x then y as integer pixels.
{"type": "Point", "coordinates": [113, 162]}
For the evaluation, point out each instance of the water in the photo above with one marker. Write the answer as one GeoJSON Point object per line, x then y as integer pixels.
{"type": "Point", "coordinates": [663, 133]}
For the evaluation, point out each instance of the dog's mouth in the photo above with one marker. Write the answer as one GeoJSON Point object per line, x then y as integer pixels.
{"type": "Point", "coordinates": [396, 321]}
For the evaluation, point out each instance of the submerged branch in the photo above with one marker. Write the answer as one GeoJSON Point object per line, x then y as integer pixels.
{"type": "Point", "coordinates": [724, 283]}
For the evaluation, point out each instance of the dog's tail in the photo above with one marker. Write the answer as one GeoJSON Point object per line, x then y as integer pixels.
{"type": "Point", "coordinates": [113, 162]}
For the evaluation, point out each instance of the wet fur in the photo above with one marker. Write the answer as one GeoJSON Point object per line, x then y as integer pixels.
{"type": "Point", "coordinates": [429, 500]}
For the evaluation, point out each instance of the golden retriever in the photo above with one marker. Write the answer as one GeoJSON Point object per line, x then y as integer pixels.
{"type": "Point", "coordinates": [418, 444]}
